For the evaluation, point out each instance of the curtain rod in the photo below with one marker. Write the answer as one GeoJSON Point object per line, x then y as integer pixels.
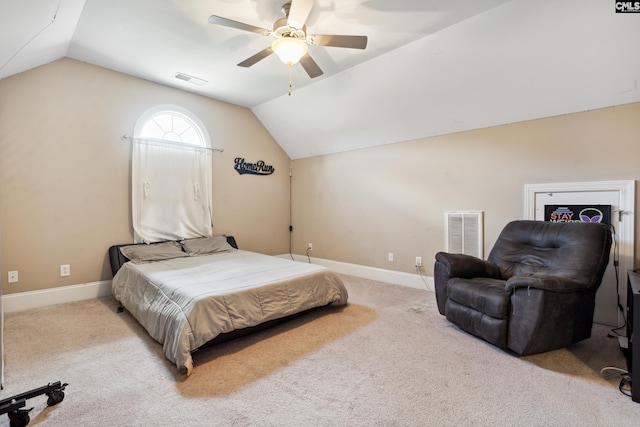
{"type": "Point", "coordinates": [164, 141]}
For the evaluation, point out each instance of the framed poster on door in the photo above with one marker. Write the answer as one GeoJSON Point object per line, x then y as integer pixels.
{"type": "Point", "coordinates": [567, 201]}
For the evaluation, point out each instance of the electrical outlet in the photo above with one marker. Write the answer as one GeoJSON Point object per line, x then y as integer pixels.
{"type": "Point", "coordinates": [65, 270]}
{"type": "Point", "coordinates": [390, 256]}
{"type": "Point", "coordinates": [12, 277]}
{"type": "Point", "coordinates": [310, 246]}
{"type": "Point", "coordinates": [418, 261]}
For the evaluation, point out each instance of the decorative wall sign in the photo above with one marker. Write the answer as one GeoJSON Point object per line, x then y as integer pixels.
{"type": "Point", "coordinates": [578, 213]}
{"type": "Point", "coordinates": [258, 168]}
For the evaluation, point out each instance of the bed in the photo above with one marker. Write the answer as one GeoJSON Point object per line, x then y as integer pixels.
{"type": "Point", "coordinates": [191, 293]}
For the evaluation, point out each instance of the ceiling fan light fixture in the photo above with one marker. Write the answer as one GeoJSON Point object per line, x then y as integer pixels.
{"type": "Point", "coordinates": [289, 49]}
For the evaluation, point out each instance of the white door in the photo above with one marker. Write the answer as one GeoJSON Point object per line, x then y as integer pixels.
{"type": "Point", "coordinates": [612, 292]}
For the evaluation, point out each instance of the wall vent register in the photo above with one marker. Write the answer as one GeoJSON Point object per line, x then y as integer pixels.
{"type": "Point", "coordinates": [464, 232]}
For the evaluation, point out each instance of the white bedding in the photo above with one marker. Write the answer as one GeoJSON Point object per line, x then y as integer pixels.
{"type": "Point", "coordinates": [185, 302]}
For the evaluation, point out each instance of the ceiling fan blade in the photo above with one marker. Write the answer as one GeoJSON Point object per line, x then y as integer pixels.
{"type": "Point", "coordinates": [255, 58]}
{"type": "Point", "coordinates": [352, 42]}
{"type": "Point", "coordinates": [310, 66]}
{"type": "Point", "coordinates": [299, 12]}
{"type": "Point", "coordinates": [218, 20]}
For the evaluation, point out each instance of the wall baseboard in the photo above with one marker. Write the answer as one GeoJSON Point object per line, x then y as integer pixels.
{"type": "Point", "coordinates": [36, 299]}
{"type": "Point", "coordinates": [373, 273]}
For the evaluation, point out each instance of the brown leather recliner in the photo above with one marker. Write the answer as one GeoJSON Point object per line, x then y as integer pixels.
{"type": "Point", "coordinates": [536, 290]}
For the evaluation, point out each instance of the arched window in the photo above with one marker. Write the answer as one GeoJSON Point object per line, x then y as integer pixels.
{"type": "Point", "coordinates": [171, 176]}
{"type": "Point", "coordinates": [172, 123]}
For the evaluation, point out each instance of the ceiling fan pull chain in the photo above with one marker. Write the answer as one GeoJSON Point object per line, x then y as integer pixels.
{"type": "Point", "coordinates": [290, 81]}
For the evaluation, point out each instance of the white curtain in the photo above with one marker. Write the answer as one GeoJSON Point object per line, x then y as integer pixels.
{"type": "Point", "coordinates": [171, 194]}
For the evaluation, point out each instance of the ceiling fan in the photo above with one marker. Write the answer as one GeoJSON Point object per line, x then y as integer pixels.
{"type": "Point", "coordinates": [291, 38]}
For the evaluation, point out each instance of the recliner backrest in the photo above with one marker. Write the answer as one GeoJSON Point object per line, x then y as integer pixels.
{"type": "Point", "coordinates": [579, 251]}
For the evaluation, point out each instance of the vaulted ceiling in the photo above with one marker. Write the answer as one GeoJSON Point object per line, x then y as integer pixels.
{"type": "Point", "coordinates": [430, 67]}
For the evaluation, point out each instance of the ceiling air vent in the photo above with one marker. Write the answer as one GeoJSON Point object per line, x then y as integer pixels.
{"type": "Point", "coordinates": [190, 79]}
{"type": "Point", "coordinates": [464, 232]}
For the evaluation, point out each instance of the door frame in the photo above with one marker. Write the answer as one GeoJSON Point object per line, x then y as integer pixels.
{"type": "Point", "coordinates": [625, 212]}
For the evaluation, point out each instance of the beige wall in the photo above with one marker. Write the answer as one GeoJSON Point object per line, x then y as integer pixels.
{"type": "Point", "coordinates": [358, 206]}
{"type": "Point", "coordinates": [65, 177]}
{"type": "Point", "coordinates": [65, 171]}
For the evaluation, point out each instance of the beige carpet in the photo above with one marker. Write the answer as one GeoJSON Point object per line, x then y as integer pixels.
{"type": "Point", "coordinates": [386, 359]}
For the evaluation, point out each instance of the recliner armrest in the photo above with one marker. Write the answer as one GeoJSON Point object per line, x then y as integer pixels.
{"type": "Point", "coordinates": [545, 283]}
{"type": "Point", "coordinates": [467, 266]}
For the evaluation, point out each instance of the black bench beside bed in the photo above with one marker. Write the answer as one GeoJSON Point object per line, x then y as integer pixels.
{"type": "Point", "coordinates": [206, 291]}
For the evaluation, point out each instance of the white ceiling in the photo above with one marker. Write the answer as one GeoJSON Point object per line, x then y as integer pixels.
{"type": "Point", "coordinates": [431, 67]}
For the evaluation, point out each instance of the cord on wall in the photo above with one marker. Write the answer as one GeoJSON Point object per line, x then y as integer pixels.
{"type": "Point", "coordinates": [419, 271]}
{"type": "Point", "coordinates": [290, 212]}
